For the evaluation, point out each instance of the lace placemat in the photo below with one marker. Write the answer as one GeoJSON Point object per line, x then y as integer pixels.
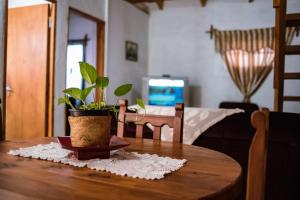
{"type": "Point", "coordinates": [121, 162]}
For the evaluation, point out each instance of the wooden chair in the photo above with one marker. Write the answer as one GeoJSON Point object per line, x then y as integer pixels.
{"type": "Point", "coordinates": [257, 162]}
{"type": "Point", "coordinates": [157, 121]}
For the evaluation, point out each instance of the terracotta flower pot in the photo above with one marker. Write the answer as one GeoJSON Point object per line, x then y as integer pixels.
{"type": "Point", "coordinates": [90, 127]}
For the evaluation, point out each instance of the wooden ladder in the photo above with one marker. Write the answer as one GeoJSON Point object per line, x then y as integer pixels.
{"type": "Point", "coordinates": [282, 21]}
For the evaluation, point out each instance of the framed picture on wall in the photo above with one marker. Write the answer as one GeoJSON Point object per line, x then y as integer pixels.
{"type": "Point", "coordinates": [131, 51]}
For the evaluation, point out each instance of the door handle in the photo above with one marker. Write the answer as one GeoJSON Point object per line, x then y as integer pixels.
{"type": "Point", "coordinates": [8, 90]}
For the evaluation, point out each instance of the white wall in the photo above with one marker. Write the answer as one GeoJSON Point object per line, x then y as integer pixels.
{"type": "Point", "coordinates": [96, 8]}
{"type": "Point", "coordinates": [178, 45]}
{"type": "Point", "coordinates": [126, 23]}
{"type": "Point", "coordinates": [20, 3]}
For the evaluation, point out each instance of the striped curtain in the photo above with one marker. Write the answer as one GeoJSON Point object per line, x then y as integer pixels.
{"type": "Point", "coordinates": [248, 69]}
{"type": "Point", "coordinates": [248, 55]}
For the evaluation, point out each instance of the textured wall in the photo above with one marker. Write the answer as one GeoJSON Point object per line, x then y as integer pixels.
{"type": "Point", "coordinates": [126, 23]}
{"type": "Point", "coordinates": [179, 46]}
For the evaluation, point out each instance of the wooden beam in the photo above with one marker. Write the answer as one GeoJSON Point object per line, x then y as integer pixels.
{"type": "Point", "coordinates": [293, 19]}
{"type": "Point", "coordinates": [203, 3]}
{"type": "Point", "coordinates": [160, 4]}
{"type": "Point", "coordinates": [142, 1]}
{"type": "Point", "coordinates": [291, 98]}
{"type": "Point", "coordinates": [276, 3]}
{"type": "Point", "coordinates": [292, 75]}
{"type": "Point", "coordinates": [141, 4]}
{"type": "Point", "coordinates": [143, 7]}
{"type": "Point", "coordinates": [292, 49]}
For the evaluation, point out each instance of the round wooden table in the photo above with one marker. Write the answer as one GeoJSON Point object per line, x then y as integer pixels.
{"type": "Point", "coordinates": [206, 175]}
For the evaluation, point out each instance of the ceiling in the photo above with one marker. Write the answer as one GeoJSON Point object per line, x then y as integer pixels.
{"type": "Point", "coordinates": [145, 5]}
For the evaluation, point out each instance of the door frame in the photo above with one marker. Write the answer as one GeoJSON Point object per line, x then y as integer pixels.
{"type": "Point", "coordinates": [100, 48]}
{"type": "Point", "coordinates": [3, 102]}
{"type": "Point", "coordinates": [100, 39]}
{"type": "Point", "coordinates": [50, 71]}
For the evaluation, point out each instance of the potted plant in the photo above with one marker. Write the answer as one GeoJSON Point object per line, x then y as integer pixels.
{"type": "Point", "coordinates": [90, 123]}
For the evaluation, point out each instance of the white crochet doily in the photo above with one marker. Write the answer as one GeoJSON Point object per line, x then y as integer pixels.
{"type": "Point", "coordinates": [121, 162]}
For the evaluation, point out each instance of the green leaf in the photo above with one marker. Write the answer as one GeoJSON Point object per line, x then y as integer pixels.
{"type": "Point", "coordinates": [115, 111]}
{"type": "Point", "coordinates": [88, 72]}
{"type": "Point", "coordinates": [92, 106]}
{"type": "Point", "coordinates": [69, 102]}
{"type": "Point", "coordinates": [73, 92]}
{"type": "Point", "coordinates": [83, 107]}
{"type": "Point", "coordinates": [85, 93]}
{"type": "Point", "coordinates": [140, 103]}
{"type": "Point", "coordinates": [102, 82]}
{"type": "Point", "coordinates": [61, 100]}
{"type": "Point", "coordinates": [102, 104]}
{"type": "Point", "coordinates": [123, 89]}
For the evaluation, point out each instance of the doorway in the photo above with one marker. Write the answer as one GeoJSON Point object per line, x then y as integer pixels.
{"type": "Point", "coordinates": [85, 43]}
{"type": "Point", "coordinates": [29, 69]}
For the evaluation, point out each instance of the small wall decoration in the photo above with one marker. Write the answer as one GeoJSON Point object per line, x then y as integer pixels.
{"type": "Point", "coordinates": [131, 51]}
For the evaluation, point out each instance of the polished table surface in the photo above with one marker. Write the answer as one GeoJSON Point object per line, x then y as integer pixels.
{"type": "Point", "coordinates": [206, 175]}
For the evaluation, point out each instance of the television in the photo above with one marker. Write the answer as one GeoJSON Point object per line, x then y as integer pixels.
{"type": "Point", "coordinates": [165, 90]}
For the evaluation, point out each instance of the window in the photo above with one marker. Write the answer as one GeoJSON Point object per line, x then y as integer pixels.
{"type": "Point", "coordinates": [75, 53]}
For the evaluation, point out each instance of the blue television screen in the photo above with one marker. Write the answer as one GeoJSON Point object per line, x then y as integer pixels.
{"type": "Point", "coordinates": [165, 92]}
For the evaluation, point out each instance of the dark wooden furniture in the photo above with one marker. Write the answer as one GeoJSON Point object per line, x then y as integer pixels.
{"type": "Point", "coordinates": [283, 20]}
{"type": "Point", "coordinates": [233, 136]}
{"type": "Point", "coordinates": [247, 107]}
{"type": "Point", "coordinates": [206, 175]}
{"type": "Point", "coordinates": [257, 163]}
{"type": "Point", "coordinates": [157, 121]}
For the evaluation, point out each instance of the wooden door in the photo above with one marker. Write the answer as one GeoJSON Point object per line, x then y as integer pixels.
{"type": "Point", "coordinates": [27, 64]}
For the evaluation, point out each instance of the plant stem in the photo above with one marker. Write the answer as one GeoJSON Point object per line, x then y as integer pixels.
{"type": "Point", "coordinates": [103, 96]}
{"type": "Point", "coordinates": [100, 97]}
{"type": "Point", "coordinates": [94, 96]}
{"type": "Point", "coordinates": [73, 108]}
